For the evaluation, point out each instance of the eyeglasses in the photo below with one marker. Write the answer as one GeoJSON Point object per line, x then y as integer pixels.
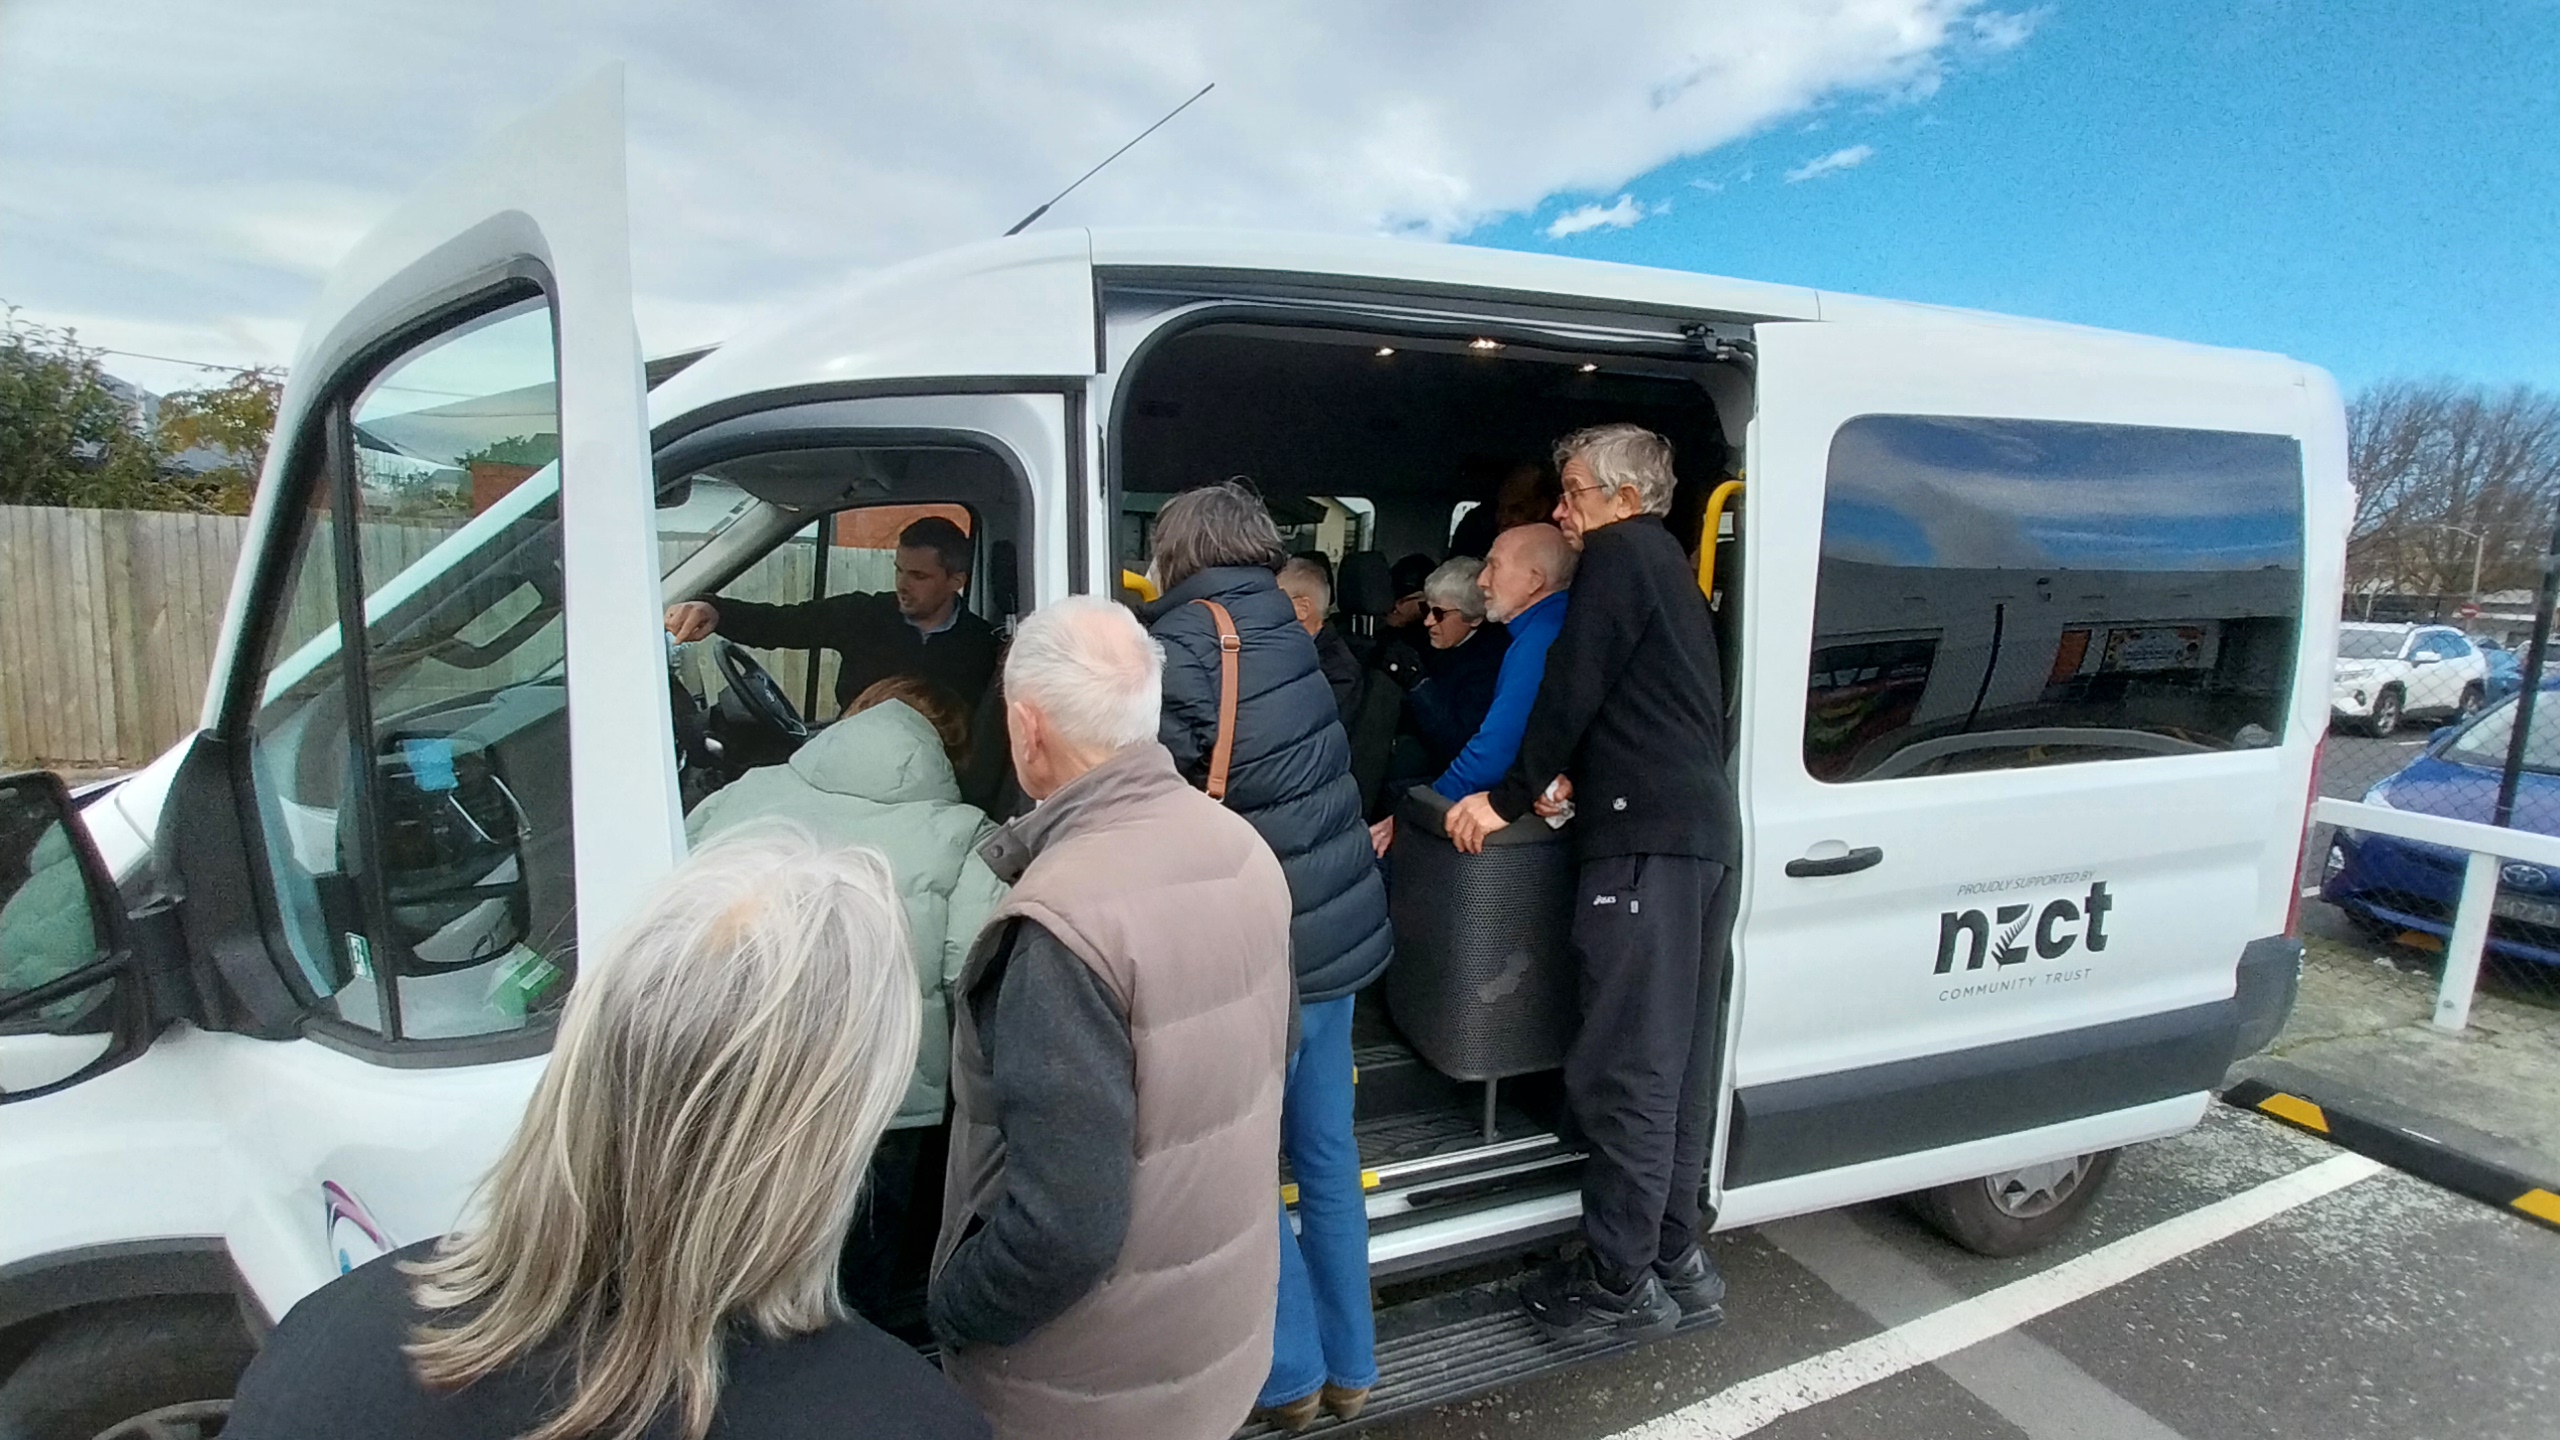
{"type": "Point", "coordinates": [1437, 613]}
{"type": "Point", "coordinates": [1573, 490]}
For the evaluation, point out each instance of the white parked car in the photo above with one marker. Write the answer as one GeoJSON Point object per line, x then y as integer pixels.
{"type": "Point", "coordinates": [2388, 673]}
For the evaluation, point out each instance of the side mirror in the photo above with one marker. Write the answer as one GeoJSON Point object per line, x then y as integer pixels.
{"type": "Point", "coordinates": [2425, 657]}
{"type": "Point", "coordinates": [66, 997]}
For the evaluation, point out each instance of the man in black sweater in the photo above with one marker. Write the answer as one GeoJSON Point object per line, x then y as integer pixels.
{"type": "Point", "coordinates": [1628, 730]}
{"type": "Point", "coordinates": [921, 629]}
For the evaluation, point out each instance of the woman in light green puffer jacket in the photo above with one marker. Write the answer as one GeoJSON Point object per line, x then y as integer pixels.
{"type": "Point", "coordinates": [882, 777]}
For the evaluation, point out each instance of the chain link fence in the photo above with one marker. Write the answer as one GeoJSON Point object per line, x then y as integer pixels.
{"type": "Point", "coordinates": [2428, 719]}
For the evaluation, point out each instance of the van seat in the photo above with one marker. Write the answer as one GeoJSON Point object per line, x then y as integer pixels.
{"type": "Point", "coordinates": [1482, 984]}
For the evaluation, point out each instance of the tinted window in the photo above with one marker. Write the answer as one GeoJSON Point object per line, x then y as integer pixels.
{"type": "Point", "coordinates": [2370, 644]}
{"type": "Point", "coordinates": [2485, 742]}
{"type": "Point", "coordinates": [2001, 593]}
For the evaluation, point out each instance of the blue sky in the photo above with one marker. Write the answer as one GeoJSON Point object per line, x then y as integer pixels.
{"type": "Point", "coordinates": [2371, 187]}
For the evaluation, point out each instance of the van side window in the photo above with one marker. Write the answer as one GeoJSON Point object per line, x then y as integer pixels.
{"type": "Point", "coordinates": [2003, 593]}
{"type": "Point", "coordinates": [413, 788]}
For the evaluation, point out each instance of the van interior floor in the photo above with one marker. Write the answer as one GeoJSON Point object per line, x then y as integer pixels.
{"type": "Point", "coordinates": [1430, 1145]}
{"type": "Point", "coordinates": [1408, 1111]}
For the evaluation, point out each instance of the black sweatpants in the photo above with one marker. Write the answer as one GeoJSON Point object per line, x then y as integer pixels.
{"type": "Point", "coordinates": [1649, 936]}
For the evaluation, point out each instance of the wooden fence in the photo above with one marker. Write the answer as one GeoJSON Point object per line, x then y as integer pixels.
{"type": "Point", "coordinates": [108, 620]}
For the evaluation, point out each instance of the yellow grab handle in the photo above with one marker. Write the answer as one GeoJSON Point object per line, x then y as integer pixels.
{"type": "Point", "coordinates": [1138, 585]}
{"type": "Point", "coordinates": [1717, 499]}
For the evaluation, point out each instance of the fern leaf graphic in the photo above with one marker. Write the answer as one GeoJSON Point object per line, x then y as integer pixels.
{"type": "Point", "coordinates": [2006, 950]}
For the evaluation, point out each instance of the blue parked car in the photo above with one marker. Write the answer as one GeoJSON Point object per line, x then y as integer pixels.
{"type": "Point", "coordinates": [2390, 885]}
{"type": "Point", "coordinates": [2506, 670]}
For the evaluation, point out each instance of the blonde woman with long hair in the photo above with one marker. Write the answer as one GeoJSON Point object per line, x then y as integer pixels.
{"type": "Point", "coordinates": [655, 1253]}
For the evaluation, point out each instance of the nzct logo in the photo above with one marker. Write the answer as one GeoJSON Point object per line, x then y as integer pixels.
{"type": "Point", "coordinates": [2005, 934]}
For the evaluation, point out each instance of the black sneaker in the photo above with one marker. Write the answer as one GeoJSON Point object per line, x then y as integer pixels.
{"type": "Point", "coordinates": [1569, 1301]}
{"type": "Point", "coordinates": [1693, 1283]}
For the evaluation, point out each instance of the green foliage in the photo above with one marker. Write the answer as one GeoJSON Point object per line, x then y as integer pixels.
{"type": "Point", "coordinates": [65, 437]}
{"type": "Point", "coordinates": [68, 438]}
{"type": "Point", "coordinates": [534, 450]}
{"type": "Point", "coordinates": [234, 418]}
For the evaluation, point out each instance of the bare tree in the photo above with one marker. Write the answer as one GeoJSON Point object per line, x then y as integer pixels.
{"type": "Point", "coordinates": [2451, 478]}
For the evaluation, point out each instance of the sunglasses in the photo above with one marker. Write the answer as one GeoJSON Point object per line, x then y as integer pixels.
{"type": "Point", "coordinates": [1437, 613]}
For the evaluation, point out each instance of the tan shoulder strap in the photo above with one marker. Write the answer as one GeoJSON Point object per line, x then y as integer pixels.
{"type": "Point", "coordinates": [1229, 646]}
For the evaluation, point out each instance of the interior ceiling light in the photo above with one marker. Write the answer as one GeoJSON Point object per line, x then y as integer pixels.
{"type": "Point", "coordinates": [1385, 350]}
{"type": "Point", "coordinates": [1588, 367]}
{"type": "Point", "coordinates": [1484, 342]}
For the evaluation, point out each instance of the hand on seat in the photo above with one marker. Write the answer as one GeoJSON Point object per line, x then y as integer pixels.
{"type": "Point", "coordinates": [1470, 820]}
{"type": "Point", "coordinates": [692, 620]}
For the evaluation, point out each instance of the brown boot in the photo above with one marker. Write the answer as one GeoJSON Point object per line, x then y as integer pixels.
{"type": "Point", "coordinates": [1345, 1404]}
{"type": "Point", "coordinates": [1293, 1417]}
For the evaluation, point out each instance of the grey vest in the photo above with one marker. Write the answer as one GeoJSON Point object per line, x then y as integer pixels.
{"type": "Point", "coordinates": [1179, 908]}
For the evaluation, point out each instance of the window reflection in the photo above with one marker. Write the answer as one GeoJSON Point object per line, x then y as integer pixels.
{"type": "Point", "coordinates": [2001, 593]}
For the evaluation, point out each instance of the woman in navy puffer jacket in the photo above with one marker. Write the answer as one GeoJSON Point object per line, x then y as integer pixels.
{"type": "Point", "coordinates": [1290, 776]}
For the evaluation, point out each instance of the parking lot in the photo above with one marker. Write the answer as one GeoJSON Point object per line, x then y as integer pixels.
{"type": "Point", "coordinates": [2241, 1280]}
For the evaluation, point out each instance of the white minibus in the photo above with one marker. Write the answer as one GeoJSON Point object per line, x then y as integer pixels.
{"type": "Point", "coordinates": [2027, 630]}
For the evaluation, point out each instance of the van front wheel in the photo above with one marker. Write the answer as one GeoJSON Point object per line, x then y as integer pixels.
{"type": "Point", "coordinates": [107, 1366]}
{"type": "Point", "coordinates": [2017, 1210]}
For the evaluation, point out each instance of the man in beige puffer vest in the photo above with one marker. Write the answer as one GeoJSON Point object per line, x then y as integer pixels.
{"type": "Point", "coordinates": [1107, 1257]}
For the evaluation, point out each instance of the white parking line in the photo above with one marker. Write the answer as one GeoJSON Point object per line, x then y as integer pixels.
{"type": "Point", "coordinates": [2024, 1382]}
{"type": "Point", "coordinates": [1765, 1399]}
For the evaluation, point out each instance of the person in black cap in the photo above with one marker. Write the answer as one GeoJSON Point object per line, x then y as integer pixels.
{"type": "Point", "coordinates": [1404, 637]}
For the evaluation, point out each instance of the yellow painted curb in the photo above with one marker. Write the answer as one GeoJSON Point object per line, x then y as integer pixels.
{"type": "Point", "coordinates": [2542, 1205]}
{"type": "Point", "coordinates": [2297, 1110]}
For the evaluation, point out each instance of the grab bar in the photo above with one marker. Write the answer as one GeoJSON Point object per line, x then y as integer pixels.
{"type": "Point", "coordinates": [1717, 499]}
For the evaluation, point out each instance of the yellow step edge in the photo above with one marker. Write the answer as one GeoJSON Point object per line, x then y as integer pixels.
{"type": "Point", "coordinates": [2541, 1204]}
{"type": "Point", "coordinates": [2296, 1109]}
{"type": "Point", "coordinates": [1289, 1192]}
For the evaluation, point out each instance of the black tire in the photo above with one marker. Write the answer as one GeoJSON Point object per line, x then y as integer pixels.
{"type": "Point", "coordinates": [2469, 705]}
{"type": "Point", "coordinates": [2015, 1213]}
{"type": "Point", "coordinates": [2385, 719]}
{"type": "Point", "coordinates": [105, 1365]}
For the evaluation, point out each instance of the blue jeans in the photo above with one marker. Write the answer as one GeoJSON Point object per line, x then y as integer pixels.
{"type": "Point", "coordinates": [1325, 1331]}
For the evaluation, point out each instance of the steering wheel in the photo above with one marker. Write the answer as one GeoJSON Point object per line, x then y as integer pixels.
{"type": "Point", "coordinates": [756, 693]}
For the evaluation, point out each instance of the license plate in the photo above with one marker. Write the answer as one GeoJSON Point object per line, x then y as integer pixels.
{"type": "Point", "coordinates": [2529, 912]}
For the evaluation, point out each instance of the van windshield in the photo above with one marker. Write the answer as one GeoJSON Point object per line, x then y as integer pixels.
{"type": "Point", "coordinates": [2369, 644]}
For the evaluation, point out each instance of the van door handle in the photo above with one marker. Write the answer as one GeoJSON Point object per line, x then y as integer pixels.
{"type": "Point", "coordinates": [1848, 864]}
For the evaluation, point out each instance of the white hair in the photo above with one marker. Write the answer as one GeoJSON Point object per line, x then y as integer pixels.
{"type": "Point", "coordinates": [690, 1160]}
{"type": "Point", "coordinates": [1091, 671]}
{"type": "Point", "coordinates": [1305, 579]}
{"type": "Point", "coordinates": [1453, 587]}
{"type": "Point", "coordinates": [1624, 455]}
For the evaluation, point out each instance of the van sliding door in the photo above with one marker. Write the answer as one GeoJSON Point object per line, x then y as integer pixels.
{"type": "Point", "coordinates": [2027, 731]}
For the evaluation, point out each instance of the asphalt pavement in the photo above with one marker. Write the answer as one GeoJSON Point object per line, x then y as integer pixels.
{"type": "Point", "coordinates": [2242, 1280]}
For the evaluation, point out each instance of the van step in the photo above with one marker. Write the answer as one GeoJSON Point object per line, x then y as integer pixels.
{"type": "Point", "coordinates": [1458, 1344]}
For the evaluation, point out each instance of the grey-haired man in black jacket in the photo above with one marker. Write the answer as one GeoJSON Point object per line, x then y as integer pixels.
{"type": "Point", "coordinates": [1628, 727]}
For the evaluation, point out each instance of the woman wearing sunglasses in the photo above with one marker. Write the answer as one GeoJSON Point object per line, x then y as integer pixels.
{"type": "Point", "coordinates": [1465, 660]}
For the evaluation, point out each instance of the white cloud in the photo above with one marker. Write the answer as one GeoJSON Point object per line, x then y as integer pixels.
{"type": "Point", "coordinates": [1997, 30]}
{"type": "Point", "coordinates": [180, 176]}
{"type": "Point", "coordinates": [1626, 212]}
{"type": "Point", "coordinates": [1849, 158]}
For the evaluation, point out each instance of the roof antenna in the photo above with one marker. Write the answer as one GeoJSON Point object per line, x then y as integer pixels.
{"type": "Point", "coordinates": [1026, 221]}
